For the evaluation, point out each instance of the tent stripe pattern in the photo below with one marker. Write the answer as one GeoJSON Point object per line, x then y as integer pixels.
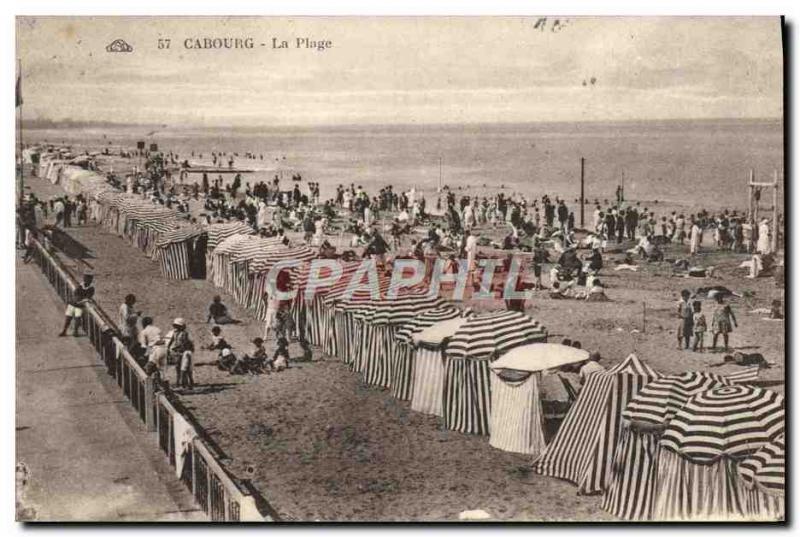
{"type": "Point", "coordinates": [659, 401]}
{"type": "Point", "coordinates": [494, 333]}
{"type": "Point", "coordinates": [410, 366]}
{"type": "Point", "coordinates": [696, 492]}
{"type": "Point", "coordinates": [734, 421]}
{"type": "Point", "coordinates": [174, 260]}
{"type": "Point", "coordinates": [766, 468]}
{"type": "Point", "coordinates": [631, 491]}
{"type": "Point", "coordinates": [427, 392]}
{"type": "Point", "coordinates": [401, 370]}
{"type": "Point", "coordinates": [583, 449]}
{"type": "Point", "coordinates": [381, 321]}
{"type": "Point", "coordinates": [425, 319]}
{"type": "Point", "coordinates": [376, 341]}
{"type": "Point", "coordinates": [219, 232]}
{"type": "Point", "coordinates": [702, 446]}
{"type": "Point", "coordinates": [467, 395]}
{"type": "Point", "coordinates": [467, 385]}
{"type": "Point", "coordinates": [709, 492]}
{"type": "Point", "coordinates": [173, 252]}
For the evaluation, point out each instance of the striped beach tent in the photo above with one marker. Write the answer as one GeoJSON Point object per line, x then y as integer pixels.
{"type": "Point", "coordinates": [348, 312]}
{"type": "Point", "coordinates": [221, 231]}
{"type": "Point", "coordinates": [583, 449]}
{"type": "Point", "coordinates": [517, 419]}
{"type": "Point", "coordinates": [428, 388]}
{"type": "Point", "coordinates": [183, 252]}
{"type": "Point", "coordinates": [631, 491]}
{"type": "Point", "coordinates": [382, 366]}
{"type": "Point", "coordinates": [764, 478]}
{"type": "Point", "coordinates": [176, 251]}
{"type": "Point", "coordinates": [232, 259]}
{"type": "Point", "coordinates": [259, 268]}
{"type": "Point", "coordinates": [308, 308]}
{"type": "Point", "coordinates": [702, 446]}
{"type": "Point", "coordinates": [354, 310]}
{"type": "Point", "coordinates": [480, 340]}
{"type": "Point", "coordinates": [403, 358]}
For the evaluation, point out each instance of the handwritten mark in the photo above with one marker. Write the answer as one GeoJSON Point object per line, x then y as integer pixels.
{"type": "Point", "coordinates": [556, 26]}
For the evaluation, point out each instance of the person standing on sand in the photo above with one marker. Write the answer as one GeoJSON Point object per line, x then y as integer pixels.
{"type": "Point", "coordinates": [696, 237]}
{"type": "Point", "coordinates": [699, 326]}
{"type": "Point", "coordinates": [722, 322]}
{"type": "Point", "coordinates": [686, 315]}
{"type": "Point", "coordinates": [471, 250]}
{"type": "Point", "coordinates": [563, 215]}
{"type": "Point", "coordinates": [763, 246]}
{"type": "Point", "coordinates": [178, 345]}
{"type": "Point", "coordinates": [680, 229]}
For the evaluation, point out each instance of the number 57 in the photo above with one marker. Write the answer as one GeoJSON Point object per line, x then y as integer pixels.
{"type": "Point", "coordinates": [163, 43]}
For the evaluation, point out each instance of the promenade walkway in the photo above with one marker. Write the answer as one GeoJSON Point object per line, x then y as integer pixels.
{"type": "Point", "coordinates": [87, 454]}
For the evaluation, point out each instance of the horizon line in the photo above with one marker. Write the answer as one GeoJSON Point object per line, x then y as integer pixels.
{"type": "Point", "coordinates": [41, 123]}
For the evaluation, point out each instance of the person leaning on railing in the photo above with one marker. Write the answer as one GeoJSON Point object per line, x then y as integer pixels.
{"type": "Point", "coordinates": [83, 294]}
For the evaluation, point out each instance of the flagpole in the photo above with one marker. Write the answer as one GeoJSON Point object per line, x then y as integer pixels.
{"type": "Point", "coordinates": [19, 116]}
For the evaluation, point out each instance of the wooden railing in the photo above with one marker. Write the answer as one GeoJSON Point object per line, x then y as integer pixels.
{"type": "Point", "coordinates": [215, 491]}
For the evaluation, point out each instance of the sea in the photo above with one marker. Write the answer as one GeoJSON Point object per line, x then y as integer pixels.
{"type": "Point", "coordinates": [697, 163]}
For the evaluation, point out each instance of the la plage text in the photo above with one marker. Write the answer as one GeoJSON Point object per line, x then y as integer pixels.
{"type": "Point", "coordinates": [217, 43]}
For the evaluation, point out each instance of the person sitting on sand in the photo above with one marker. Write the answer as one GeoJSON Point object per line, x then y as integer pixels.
{"type": "Point", "coordinates": [226, 360]}
{"type": "Point", "coordinates": [218, 342]}
{"type": "Point", "coordinates": [219, 312]}
{"type": "Point", "coordinates": [594, 261]}
{"type": "Point", "coordinates": [560, 290]}
{"type": "Point", "coordinates": [648, 250]}
{"type": "Point", "coordinates": [280, 359]}
{"type": "Point", "coordinates": [257, 362]}
{"type": "Point", "coordinates": [596, 293]}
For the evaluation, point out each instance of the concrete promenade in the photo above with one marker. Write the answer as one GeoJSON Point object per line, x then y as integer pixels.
{"type": "Point", "coordinates": [88, 456]}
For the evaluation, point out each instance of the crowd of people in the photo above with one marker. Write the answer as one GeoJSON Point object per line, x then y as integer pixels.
{"type": "Point", "coordinates": [459, 226]}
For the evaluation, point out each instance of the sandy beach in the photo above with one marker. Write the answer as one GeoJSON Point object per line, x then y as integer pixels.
{"type": "Point", "coordinates": [320, 445]}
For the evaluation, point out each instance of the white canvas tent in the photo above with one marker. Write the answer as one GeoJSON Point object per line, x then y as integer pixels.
{"type": "Point", "coordinates": [429, 365]}
{"type": "Point", "coordinates": [516, 421]}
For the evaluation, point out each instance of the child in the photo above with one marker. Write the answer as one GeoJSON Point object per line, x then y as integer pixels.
{"type": "Point", "coordinates": [185, 376]}
{"type": "Point", "coordinates": [699, 322]}
{"type": "Point", "coordinates": [226, 360]}
{"type": "Point", "coordinates": [722, 322]}
{"type": "Point", "coordinates": [256, 363]}
{"type": "Point", "coordinates": [280, 360]}
{"type": "Point", "coordinates": [217, 340]}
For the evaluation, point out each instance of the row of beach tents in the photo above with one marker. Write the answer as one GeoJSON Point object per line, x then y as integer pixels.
{"type": "Point", "coordinates": [693, 446]}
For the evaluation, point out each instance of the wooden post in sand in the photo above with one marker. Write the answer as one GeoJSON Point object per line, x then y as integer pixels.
{"type": "Point", "coordinates": [583, 160]}
{"type": "Point", "coordinates": [644, 317]}
{"type": "Point", "coordinates": [775, 212]}
{"type": "Point", "coordinates": [750, 197]}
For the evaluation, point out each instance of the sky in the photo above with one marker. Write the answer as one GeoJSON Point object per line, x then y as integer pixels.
{"type": "Point", "coordinates": [401, 70]}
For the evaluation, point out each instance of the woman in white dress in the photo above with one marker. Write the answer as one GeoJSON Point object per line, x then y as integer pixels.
{"type": "Point", "coordinates": [696, 236]}
{"type": "Point", "coordinates": [763, 246]}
